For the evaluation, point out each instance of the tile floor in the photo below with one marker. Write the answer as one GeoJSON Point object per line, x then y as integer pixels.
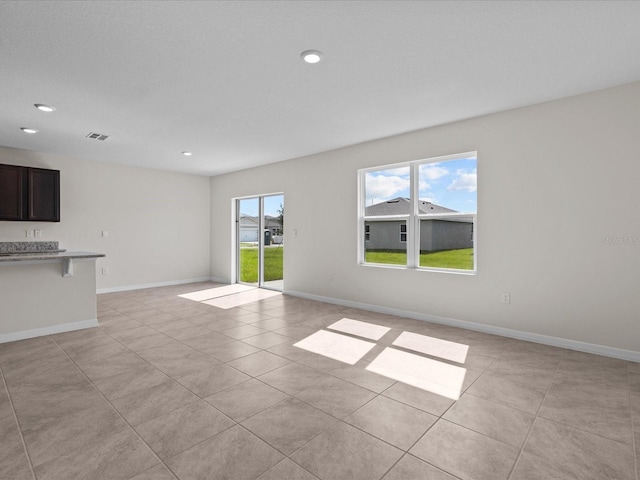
{"type": "Point", "coordinates": [170, 388]}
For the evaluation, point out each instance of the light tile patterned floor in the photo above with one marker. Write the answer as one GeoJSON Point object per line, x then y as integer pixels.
{"type": "Point", "coordinates": [172, 388]}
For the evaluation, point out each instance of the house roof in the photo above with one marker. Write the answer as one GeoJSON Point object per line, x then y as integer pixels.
{"type": "Point", "coordinates": [401, 206]}
{"type": "Point", "coordinates": [269, 221]}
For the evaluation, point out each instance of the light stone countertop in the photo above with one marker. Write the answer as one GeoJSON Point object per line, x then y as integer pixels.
{"type": "Point", "coordinates": [34, 257]}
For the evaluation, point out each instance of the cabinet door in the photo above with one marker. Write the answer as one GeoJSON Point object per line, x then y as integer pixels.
{"type": "Point", "coordinates": [12, 198]}
{"type": "Point", "coordinates": [44, 195]}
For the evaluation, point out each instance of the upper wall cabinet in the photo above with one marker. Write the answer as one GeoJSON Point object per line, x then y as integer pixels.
{"type": "Point", "coordinates": [11, 195]}
{"type": "Point", "coordinates": [29, 194]}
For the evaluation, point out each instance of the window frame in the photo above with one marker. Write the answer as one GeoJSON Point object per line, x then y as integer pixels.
{"type": "Point", "coordinates": [414, 217]}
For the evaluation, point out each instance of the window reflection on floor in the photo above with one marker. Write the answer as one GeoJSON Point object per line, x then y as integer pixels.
{"type": "Point", "coordinates": [435, 347]}
{"type": "Point", "coordinates": [216, 292]}
{"type": "Point", "coordinates": [360, 329]}
{"type": "Point", "coordinates": [230, 296]}
{"type": "Point", "coordinates": [414, 369]}
{"type": "Point", "coordinates": [338, 347]}
{"type": "Point", "coordinates": [421, 372]}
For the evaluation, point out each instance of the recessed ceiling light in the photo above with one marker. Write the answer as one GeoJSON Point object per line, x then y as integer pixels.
{"type": "Point", "coordinates": [187, 154]}
{"type": "Point", "coordinates": [44, 108]}
{"type": "Point", "coordinates": [28, 130]}
{"type": "Point", "coordinates": [311, 56]}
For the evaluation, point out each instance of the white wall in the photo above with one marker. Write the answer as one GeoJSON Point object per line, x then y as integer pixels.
{"type": "Point", "coordinates": [554, 180]}
{"type": "Point", "coordinates": [158, 222]}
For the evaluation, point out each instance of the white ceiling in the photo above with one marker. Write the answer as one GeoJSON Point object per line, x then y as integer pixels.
{"type": "Point", "coordinates": [225, 79]}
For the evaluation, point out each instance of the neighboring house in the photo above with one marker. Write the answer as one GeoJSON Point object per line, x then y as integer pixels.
{"type": "Point", "coordinates": [249, 227]}
{"type": "Point", "coordinates": [436, 234]}
{"type": "Point", "coordinates": [273, 224]}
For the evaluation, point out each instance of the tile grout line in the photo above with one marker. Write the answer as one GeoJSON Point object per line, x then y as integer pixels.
{"type": "Point", "coordinates": [404, 452]}
{"type": "Point", "coordinates": [203, 353]}
{"type": "Point", "coordinates": [119, 414]}
{"type": "Point", "coordinates": [202, 399]}
{"type": "Point", "coordinates": [378, 394]}
{"type": "Point", "coordinates": [439, 417]}
{"type": "Point", "coordinates": [231, 339]}
{"type": "Point", "coordinates": [169, 377]}
{"type": "Point", "coordinates": [188, 346]}
{"type": "Point", "coordinates": [420, 460]}
{"type": "Point", "coordinates": [537, 415]}
{"type": "Point", "coordinates": [15, 417]}
{"type": "Point", "coordinates": [580, 429]}
{"type": "Point", "coordinates": [338, 420]}
{"type": "Point", "coordinates": [341, 420]}
{"type": "Point", "coordinates": [296, 464]}
{"type": "Point", "coordinates": [293, 397]}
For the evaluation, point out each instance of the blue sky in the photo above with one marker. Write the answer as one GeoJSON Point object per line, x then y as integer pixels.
{"type": "Point", "coordinates": [451, 184]}
{"type": "Point", "coordinates": [272, 204]}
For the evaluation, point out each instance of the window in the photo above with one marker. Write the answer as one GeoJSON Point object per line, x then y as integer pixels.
{"type": "Point", "coordinates": [420, 214]}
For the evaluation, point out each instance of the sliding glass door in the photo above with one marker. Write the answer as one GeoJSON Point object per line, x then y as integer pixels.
{"type": "Point", "coordinates": [248, 241]}
{"type": "Point", "coordinates": [260, 241]}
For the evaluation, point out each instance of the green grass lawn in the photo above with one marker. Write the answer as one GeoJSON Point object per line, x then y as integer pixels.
{"type": "Point", "coordinates": [272, 264]}
{"type": "Point", "coordinates": [461, 259]}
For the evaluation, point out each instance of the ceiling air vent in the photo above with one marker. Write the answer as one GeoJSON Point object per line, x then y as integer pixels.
{"type": "Point", "coordinates": [97, 136]}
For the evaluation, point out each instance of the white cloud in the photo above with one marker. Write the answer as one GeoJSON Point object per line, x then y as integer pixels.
{"type": "Point", "coordinates": [432, 171]}
{"type": "Point", "coordinates": [381, 187]}
{"type": "Point", "coordinates": [423, 186]}
{"type": "Point", "coordinates": [464, 182]}
{"type": "Point", "coordinates": [399, 172]}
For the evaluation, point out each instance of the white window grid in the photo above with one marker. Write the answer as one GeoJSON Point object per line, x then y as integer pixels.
{"type": "Point", "coordinates": [413, 218]}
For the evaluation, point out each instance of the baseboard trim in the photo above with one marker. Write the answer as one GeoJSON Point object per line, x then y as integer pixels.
{"type": "Point", "coordinates": [126, 288]}
{"type": "Point", "coordinates": [40, 332]}
{"type": "Point", "coordinates": [478, 327]}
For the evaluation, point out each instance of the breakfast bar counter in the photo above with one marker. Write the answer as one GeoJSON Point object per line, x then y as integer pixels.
{"type": "Point", "coordinates": [45, 290]}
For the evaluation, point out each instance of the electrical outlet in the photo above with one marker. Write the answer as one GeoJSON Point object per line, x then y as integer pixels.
{"type": "Point", "coordinates": [37, 233]}
{"type": "Point", "coordinates": [28, 233]}
{"type": "Point", "coordinates": [105, 271]}
{"type": "Point", "coordinates": [505, 297]}
{"type": "Point", "coordinates": [331, 277]}
{"type": "Point", "coordinates": [105, 233]}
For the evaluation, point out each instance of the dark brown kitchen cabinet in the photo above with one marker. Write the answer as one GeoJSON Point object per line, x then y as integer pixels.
{"type": "Point", "coordinates": [29, 194]}
{"type": "Point", "coordinates": [43, 187]}
{"type": "Point", "coordinates": [11, 197]}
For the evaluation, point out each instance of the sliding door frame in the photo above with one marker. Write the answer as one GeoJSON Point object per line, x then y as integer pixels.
{"type": "Point", "coordinates": [236, 274]}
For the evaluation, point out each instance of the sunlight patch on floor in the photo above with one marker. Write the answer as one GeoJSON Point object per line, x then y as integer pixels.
{"type": "Point", "coordinates": [360, 329]}
{"type": "Point", "coordinates": [421, 372]}
{"type": "Point", "coordinates": [243, 298]}
{"type": "Point", "coordinates": [216, 292]}
{"type": "Point", "coordinates": [338, 347]}
{"type": "Point", "coordinates": [230, 296]}
{"type": "Point", "coordinates": [413, 369]}
{"type": "Point", "coordinates": [434, 347]}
